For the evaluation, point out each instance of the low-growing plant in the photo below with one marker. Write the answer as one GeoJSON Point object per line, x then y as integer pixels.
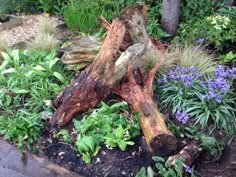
{"type": "Point", "coordinates": [42, 42]}
{"type": "Point", "coordinates": [230, 57]}
{"type": "Point", "coordinates": [47, 26]}
{"type": "Point", "coordinates": [204, 99]}
{"type": "Point", "coordinates": [3, 45]}
{"type": "Point", "coordinates": [46, 38]}
{"type": "Point", "coordinates": [28, 81]}
{"type": "Point", "coordinates": [23, 128]}
{"type": "Point", "coordinates": [186, 56]}
{"type": "Point", "coordinates": [165, 169]}
{"type": "Point", "coordinates": [217, 29]}
{"type": "Point", "coordinates": [105, 125]}
{"type": "Point", "coordinates": [64, 134]}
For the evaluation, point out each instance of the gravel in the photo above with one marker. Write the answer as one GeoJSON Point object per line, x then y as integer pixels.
{"type": "Point", "coordinates": [27, 30]}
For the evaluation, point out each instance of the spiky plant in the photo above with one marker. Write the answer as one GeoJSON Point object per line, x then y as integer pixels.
{"type": "Point", "coordinates": [42, 41]}
{"type": "Point", "coordinates": [194, 56]}
{"type": "Point", "coordinates": [182, 56]}
{"type": "Point", "coordinates": [152, 58]}
{"type": "Point", "coordinates": [46, 38]}
{"type": "Point", "coordinates": [47, 26]}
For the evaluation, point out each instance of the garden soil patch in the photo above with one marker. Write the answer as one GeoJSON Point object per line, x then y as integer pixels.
{"type": "Point", "coordinates": [114, 163]}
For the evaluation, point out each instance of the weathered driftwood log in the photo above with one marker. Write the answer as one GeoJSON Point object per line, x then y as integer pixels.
{"type": "Point", "coordinates": [127, 33]}
{"type": "Point", "coordinates": [80, 52]}
{"type": "Point", "coordinates": [189, 153]}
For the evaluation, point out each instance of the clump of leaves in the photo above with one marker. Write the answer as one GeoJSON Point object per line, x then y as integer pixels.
{"type": "Point", "coordinates": [230, 57]}
{"type": "Point", "coordinates": [23, 128]}
{"type": "Point", "coordinates": [64, 134]}
{"type": "Point", "coordinates": [209, 100]}
{"type": "Point", "coordinates": [28, 80]}
{"type": "Point", "coordinates": [165, 169]}
{"type": "Point", "coordinates": [105, 125]}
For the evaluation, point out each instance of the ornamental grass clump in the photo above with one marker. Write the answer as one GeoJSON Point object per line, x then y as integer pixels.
{"type": "Point", "coordinates": [204, 99]}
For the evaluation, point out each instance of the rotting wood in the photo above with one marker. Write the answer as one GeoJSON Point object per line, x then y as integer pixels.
{"type": "Point", "coordinates": [125, 46]}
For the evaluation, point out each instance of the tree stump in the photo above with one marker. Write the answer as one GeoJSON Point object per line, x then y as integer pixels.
{"type": "Point", "coordinates": [126, 44]}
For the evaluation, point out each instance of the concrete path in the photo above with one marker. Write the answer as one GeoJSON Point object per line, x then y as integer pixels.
{"type": "Point", "coordinates": [13, 165]}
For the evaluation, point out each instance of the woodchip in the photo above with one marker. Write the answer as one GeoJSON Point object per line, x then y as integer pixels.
{"type": "Point", "coordinates": [26, 31]}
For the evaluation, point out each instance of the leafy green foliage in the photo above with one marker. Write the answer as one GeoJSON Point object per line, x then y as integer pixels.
{"type": "Point", "coordinates": [82, 15]}
{"type": "Point", "coordinates": [164, 168]}
{"type": "Point", "coordinates": [23, 128]}
{"type": "Point", "coordinates": [106, 125]}
{"type": "Point", "coordinates": [230, 57]}
{"type": "Point", "coordinates": [195, 96]}
{"type": "Point", "coordinates": [64, 134]}
{"type": "Point", "coordinates": [28, 83]}
{"type": "Point", "coordinates": [215, 29]}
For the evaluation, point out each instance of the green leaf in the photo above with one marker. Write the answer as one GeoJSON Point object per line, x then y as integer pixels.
{"type": "Point", "coordinates": [15, 54]}
{"type": "Point", "coordinates": [19, 91]}
{"type": "Point", "coordinates": [141, 173]}
{"type": "Point", "coordinates": [86, 158]}
{"type": "Point", "coordinates": [10, 70]}
{"type": "Point", "coordinates": [89, 142]}
{"type": "Point", "coordinates": [59, 77]}
{"type": "Point", "coordinates": [158, 159]}
{"type": "Point", "coordinates": [5, 56]}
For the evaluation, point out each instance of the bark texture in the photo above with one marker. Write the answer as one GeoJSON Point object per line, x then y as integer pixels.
{"type": "Point", "coordinates": [126, 43]}
{"type": "Point", "coordinates": [170, 16]}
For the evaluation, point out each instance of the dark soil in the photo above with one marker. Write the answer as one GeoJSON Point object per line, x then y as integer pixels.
{"type": "Point", "coordinates": [113, 163]}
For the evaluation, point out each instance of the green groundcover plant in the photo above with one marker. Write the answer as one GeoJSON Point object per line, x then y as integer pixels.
{"type": "Point", "coordinates": [204, 99]}
{"type": "Point", "coordinates": [28, 82]}
{"type": "Point", "coordinates": [217, 29]}
{"type": "Point", "coordinates": [105, 125]}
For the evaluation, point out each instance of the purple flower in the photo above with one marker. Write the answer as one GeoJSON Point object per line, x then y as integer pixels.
{"type": "Point", "coordinates": [233, 73]}
{"type": "Point", "coordinates": [222, 72]}
{"type": "Point", "coordinates": [187, 168]}
{"type": "Point", "coordinates": [200, 41]}
{"type": "Point", "coordinates": [182, 117]}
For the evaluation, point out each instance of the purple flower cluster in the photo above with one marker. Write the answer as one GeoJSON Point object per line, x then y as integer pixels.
{"type": "Point", "coordinates": [218, 86]}
{"type": "Point", "coordinates": [185, 75]}
{"type": "Point", "coordinates": [182, 117]}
